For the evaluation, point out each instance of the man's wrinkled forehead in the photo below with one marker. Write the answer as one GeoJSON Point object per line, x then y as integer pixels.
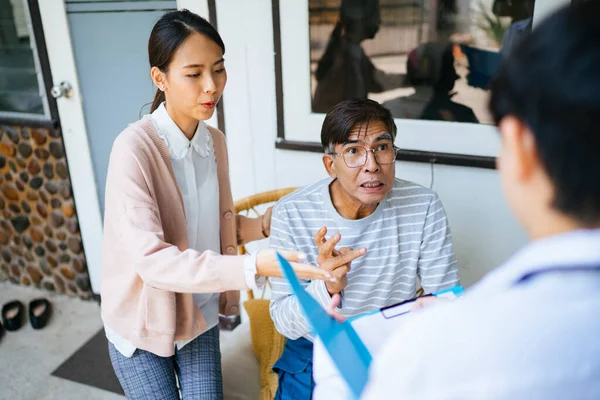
{"type": "Point", "coordinates": [372, 138]}
{"type": "Point", "coordinates": [372, 132]}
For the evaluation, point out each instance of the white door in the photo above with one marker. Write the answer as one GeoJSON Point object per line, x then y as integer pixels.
{"type": "Point", "coordinates": [62, 65]}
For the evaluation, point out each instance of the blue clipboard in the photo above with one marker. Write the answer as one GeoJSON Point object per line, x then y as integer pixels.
{"type": "Point", "coordinates": [348, 352]}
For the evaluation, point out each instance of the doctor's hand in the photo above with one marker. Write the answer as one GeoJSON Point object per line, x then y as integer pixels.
{"type": "Point", "coordinates": [423, 302]}
{"type": "Point", "coordinates": [336, 262]}
{"type": "Point", "coordinates": [428, 301]}
{"type": "Point", "coordinates": [267, 265]}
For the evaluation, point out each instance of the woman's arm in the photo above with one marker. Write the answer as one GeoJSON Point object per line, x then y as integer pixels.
{"type": "Point", "coordinates": [134, 217]}
{"type": "Point", "coordinates": [251, 229]}
{"type": "Point", "coordinates": [164, 266]}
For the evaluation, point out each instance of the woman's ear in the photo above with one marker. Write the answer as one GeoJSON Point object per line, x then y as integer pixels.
{"type": "Point", "coordinates": [329, 165]}
{"type": "Point", "coordinates": [158, 77]}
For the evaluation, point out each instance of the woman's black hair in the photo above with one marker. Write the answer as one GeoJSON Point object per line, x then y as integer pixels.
{"type": "Point", "coordinates": [169, 32]}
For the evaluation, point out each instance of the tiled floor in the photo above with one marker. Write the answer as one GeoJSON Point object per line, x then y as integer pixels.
{"type": "Point", "coordinates": [28, 357]}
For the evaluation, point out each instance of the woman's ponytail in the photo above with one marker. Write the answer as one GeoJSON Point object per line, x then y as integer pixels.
{"type": "Point", "coordinates": [159, 97]}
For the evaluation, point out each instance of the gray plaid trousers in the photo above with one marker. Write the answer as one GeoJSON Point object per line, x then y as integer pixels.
{"type": "Point", "coordinates": [146, 376]}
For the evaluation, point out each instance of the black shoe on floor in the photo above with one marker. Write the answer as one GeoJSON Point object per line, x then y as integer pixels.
{"type": "Point", "coordinates": [1, 330]}
{"type": "Point", "coordinates": [12, 315]}
{"type": "Point", "coordinates": [39, 313]}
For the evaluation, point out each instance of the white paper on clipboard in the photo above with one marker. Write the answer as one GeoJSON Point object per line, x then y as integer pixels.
{"type": "Point", "coordinates": [373, 329]}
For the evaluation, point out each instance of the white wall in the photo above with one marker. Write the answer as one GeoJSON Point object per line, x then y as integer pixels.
{"type": "Point", "coordinates": [484, 232]}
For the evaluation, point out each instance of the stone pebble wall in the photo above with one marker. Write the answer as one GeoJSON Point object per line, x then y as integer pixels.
{"type": "Point", "coordinates": [40, 242]}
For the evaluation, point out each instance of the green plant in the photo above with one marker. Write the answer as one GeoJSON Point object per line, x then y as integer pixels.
{"type": "Point", "coordinates": [492, 25]}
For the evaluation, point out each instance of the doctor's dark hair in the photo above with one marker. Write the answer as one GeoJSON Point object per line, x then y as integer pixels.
{"type": "Point", "coordinates": [169, 32]}
{"type": "Point", "coordinates": [344, 116]}
{"type": "Point", "coordinates": [551, 82]}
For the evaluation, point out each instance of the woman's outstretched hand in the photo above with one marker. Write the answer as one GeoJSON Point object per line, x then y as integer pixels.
{"type": "Point", "coordinates": [267, 265]}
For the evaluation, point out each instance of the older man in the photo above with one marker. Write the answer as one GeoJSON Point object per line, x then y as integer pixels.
{"type": "Point", "coordinates": [398, 230]}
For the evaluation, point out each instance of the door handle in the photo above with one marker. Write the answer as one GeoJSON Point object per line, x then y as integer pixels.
{"type": "Point", "coordinates": [64, 89]}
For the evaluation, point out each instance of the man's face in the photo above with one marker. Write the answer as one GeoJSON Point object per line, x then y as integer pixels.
{"type": "Point", "coordinates": [370, 183]}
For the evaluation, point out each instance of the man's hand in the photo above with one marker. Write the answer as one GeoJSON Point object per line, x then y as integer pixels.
{"type": "Point", "coordinates": [336, 262]}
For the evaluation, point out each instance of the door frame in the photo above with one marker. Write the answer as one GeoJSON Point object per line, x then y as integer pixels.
{"type": "Point", "coordinates": [62, 66]}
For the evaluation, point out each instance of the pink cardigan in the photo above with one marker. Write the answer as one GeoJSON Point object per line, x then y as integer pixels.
{"type": "Point", "coordinates": [148, 271]}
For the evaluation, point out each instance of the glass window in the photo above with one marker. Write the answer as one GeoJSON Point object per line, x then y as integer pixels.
{"type": "Point", "coordinates": [422, 59]}
{"type": "Point", "coordinates": [19, 73]}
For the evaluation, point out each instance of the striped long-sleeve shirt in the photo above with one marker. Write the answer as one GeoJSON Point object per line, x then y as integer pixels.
{"type": "Point", "coordinates": [407, 239]}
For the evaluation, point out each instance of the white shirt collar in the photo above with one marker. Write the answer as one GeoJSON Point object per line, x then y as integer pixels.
{"type": "Point", "coordinates": [177, 143]}
{"type": "Point", "coordinates": [574, 249]}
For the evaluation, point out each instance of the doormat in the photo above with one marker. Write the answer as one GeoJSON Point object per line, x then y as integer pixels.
{"type": "Point", "coordinates": [90, 365]}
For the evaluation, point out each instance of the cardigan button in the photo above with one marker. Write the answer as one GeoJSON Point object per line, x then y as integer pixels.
{"type": "Point", "coordinates": [228, 215]}
{"type": "Point", "coordinates": [230, 250]}
{"type": "Point", "coordinates": [234, 310]}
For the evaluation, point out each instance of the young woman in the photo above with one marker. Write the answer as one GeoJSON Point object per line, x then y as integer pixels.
{"type": "Point", "coordinates": [168, 218]}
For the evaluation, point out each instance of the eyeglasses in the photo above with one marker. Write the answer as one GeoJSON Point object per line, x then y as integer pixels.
{"type": "Point", "coordinates": [356, 156]}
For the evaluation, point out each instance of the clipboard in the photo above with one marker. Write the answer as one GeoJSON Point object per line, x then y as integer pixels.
{"type": "Point", "coordinates": [396, 310]}
{"type": "Point", "coordinates": [348, 352]}
{"type": "Point", "coordinates": [373, 329]}
{"type": "Point", "coordinates": [347, 344]}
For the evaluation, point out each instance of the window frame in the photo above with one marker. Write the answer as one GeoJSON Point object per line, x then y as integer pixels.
{"type": "Point", "coordinates": [50, 118]}
{"type": "Point", "coordinates": [415, 136]}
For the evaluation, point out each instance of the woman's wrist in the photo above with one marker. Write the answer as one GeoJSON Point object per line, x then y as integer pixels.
{"type": "Point", "coordinates": [250, 271]}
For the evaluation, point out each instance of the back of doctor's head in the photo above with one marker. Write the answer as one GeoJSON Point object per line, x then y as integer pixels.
{"type": "Point", "coordinates": [551, 85]}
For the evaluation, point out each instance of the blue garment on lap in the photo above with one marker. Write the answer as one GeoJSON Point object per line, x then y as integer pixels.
{"type": "Point", "coordinates": [294, 369]}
